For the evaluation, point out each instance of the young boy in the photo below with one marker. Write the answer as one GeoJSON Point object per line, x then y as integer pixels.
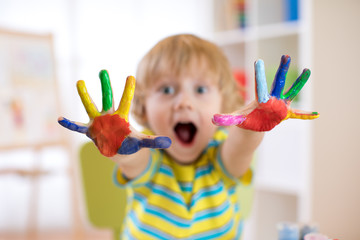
{"type": "Point", "coordinates": [186, 190]}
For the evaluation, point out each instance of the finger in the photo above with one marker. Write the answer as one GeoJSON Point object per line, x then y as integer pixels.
{"type": "Point", "coordinates": [227, 119]}
{"type": "Point", "coordinates": [128, 94]}
{"type": "Point", "coordinates": [280, 77]}
{"type": "Point", "coordinates": [107, 96]}
{"type": "Point", "coordinates": [73, 126]}
{"type": "Point", "coordinates": [298, 114]}
{"type": "Point", "coordinates": [262, 95]}
{"type": "Point", "coordinates": [86, 100]}
{"type": "Point", "coordinates": [297, 86]}
{"type": "Point", "coordinates": [131, 145]}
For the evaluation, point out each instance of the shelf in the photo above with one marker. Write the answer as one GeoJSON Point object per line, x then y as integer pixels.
{"type": "Point", "coordinates": [282, 173]}
{"type": "Point", "coordinates": [238, 36]}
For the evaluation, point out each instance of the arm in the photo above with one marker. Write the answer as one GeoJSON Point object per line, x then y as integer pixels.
{"type": "Point", "coordinates": [111, 131]}
{"type": "Point", "coordinates": [263, 114]}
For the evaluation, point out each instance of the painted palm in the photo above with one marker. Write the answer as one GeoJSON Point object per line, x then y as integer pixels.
{"type": "Point", "coordinates": [110, 129]}
{"type": "Point", "coordinates": [268, 110]}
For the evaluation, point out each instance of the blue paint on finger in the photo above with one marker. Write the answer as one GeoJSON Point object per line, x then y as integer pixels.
{"type": "Point", "coordinates": [261, 85]}
{"type": "Point", "coordinates": [158, 142]}
{"type": "Point", "coordinates": [131, 145]}
{"type": "Point", "coordinates": [280, 77]}
{"type": "Point", "coordinates": [72, 125]}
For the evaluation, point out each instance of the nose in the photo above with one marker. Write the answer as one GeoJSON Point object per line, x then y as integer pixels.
{"type": "Point", "coordinates": [183, 101]}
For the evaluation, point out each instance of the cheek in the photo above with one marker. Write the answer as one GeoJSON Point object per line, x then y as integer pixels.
{"type": "Point", "coordinates": [213, 104]}
{"type": "Point", "coordinates": [155, 114]}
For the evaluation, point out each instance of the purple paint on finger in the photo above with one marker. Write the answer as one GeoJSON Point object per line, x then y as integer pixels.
{"type": "Point", "coordinates": [227, 119]}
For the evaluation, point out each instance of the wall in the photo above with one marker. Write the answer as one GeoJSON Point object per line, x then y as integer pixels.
{"type": "Point", "coordinates": [336, 178]}
{"type": "Point", "coordinates": [88, 36]}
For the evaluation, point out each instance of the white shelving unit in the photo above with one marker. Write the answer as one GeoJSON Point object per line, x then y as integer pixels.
{"type": "Point", "coordinates": [282, 181]}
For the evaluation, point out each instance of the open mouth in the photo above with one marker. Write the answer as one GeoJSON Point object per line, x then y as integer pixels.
{"type": "Point", "coordinates": [185, 132]}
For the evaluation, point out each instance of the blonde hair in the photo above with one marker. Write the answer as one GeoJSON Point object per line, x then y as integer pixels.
{"type": "Point", "coordinates": [174, 56]}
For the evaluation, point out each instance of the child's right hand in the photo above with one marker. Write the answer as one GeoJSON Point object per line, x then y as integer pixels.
{"type": "Point", "coordinates": [110, 129]}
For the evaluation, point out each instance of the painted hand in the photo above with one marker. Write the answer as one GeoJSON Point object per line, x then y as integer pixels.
{"type": "Point", "coordinates": [268, 110]}
{"type": "Point", "coordinates": [110, 129]}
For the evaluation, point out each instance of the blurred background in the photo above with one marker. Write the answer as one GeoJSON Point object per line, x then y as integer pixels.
{"type": "Point", "coordinates": [306, 171]}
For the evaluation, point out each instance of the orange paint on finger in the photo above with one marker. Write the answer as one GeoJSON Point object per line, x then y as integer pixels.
{"type": "Point", "coordinates": [108, 132]}
{"type": "Point", "coordinates": [266, 116]}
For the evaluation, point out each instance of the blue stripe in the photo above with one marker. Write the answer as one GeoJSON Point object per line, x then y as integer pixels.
{"type": "Point", "coordinates": [212, 213]}
{"type": "Point", "coordinates": [232, 190]}
{"type": "Point", "coordinates": [203, 171]}
{"type": "Point", "coordinates": [166, 170]}
{"type": "Point", "coordinates": [207, 192]}
{"type": "Point", "coordinates": [149, 229]}
{"type": "Point", "coordinates": [237, 208]}
{"type": "Point", "coordinates": [178, 221]}
{"type": "Point", "coordinates": [213, 143]}
{"type": "Point", "coordinates": [150, 167]}
{"type": "Point", "coordinates": [167, 193]}
{"type": "Point", "coordinates": [240, 229]}
{"type": "Point", "coordinates": [186, 186]}
{"type": "Point", "coordinates": [128, 235]}
{"type": "Point", "coordinates": [161, 213]}
{"type": "Point", "coordinates": [212, 234]}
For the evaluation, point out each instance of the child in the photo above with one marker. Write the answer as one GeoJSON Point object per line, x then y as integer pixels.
{"type": "Point", "coordinates": [186, 190]}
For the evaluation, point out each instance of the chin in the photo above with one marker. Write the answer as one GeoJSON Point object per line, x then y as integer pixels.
{"type": "Point", "coordinates": [184, 156]}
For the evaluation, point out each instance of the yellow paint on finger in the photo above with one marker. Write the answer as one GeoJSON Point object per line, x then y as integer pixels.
{"type": "Point", "coordinates": [86, 100]}
{"type": "Point", "coordinates": [128, 94]}
{"type": "Point", "coordinates": [303, 116]}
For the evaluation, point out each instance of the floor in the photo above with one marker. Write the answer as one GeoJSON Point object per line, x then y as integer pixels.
{"type": "Point", "coordinates": [90, 235]}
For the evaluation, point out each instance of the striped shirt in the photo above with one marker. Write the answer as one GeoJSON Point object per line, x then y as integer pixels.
{"type": "Point", "coordinates": [172, 201]}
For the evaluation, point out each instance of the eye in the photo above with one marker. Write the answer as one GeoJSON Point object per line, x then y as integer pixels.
{"type": "Point", "coordinates": [167, 90]}
{"type": "Point", "coordinates": [201, 89]}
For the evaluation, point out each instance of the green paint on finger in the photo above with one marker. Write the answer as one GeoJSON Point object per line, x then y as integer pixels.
{"type": "Point", "coordinates": [298, 85]}
{"type": "Point", "coordinates": [107, 96]}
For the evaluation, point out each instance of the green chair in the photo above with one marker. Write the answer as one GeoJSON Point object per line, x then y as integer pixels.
{"type": "Point", "coordinates": [246, 195]}
{"type": "Point", "coordinates": [105, 202]}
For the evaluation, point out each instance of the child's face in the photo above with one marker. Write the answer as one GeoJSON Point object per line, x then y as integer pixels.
{"type": "Point", "coordinates": [181, 108]}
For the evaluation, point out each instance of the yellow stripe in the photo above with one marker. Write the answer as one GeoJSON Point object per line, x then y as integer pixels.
{"type": "Point", "coordinates": [209, 202]}
{"type": "Point", "coordinates": [214, 223]}
{"type": "Point", "coordinates": [86, 100]}
{"type": "Point", "coordinates": [180, 232]}
{"type": "Point", "coordinates": [247, 177]}
{"type": "Point", "coordinates": [128, 94]}
{"type": "Point", "coordinates": [165, 204]}
{"type": "Point", "coordinates": [161, 225]}
{"type": "Point", "coordinates": [206, 181]}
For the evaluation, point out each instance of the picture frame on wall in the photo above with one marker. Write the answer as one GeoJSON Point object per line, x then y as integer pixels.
{"type": "Point", "coordinates": [29, 103]}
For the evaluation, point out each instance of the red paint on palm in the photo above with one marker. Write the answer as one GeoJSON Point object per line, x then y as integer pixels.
{"type": "Point", "coordinates": [108, 132]}
{"type": "Point", "coordinates": [266, 116]}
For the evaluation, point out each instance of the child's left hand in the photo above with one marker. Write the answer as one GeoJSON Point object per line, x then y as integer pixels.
{"type": "Point", "coordinates": [267, 111]}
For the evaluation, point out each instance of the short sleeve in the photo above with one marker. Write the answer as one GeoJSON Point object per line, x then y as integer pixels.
{"type": "Point", "coordinates": [245, 179]}
{"type": "Point", "coordinates": [122, 181]}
